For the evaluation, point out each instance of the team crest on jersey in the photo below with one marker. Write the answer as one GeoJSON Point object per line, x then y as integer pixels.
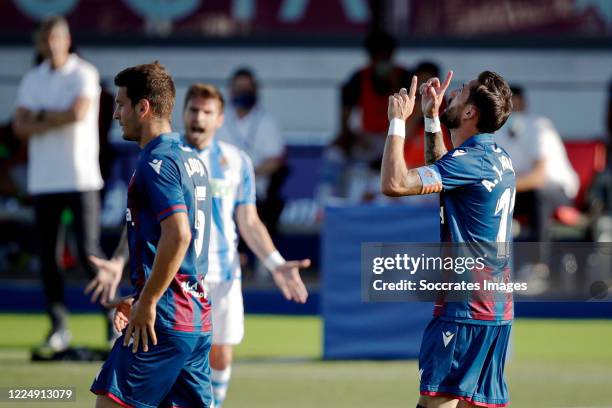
{"type": "Point", "coordinates": [223, 162]}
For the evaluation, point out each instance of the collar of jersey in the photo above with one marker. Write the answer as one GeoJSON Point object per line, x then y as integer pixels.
{"type": "Point", "coordinates": [161, 138]}
{"type": "Point", "coordinates": [214, 145]}
{"type": "Point", "coordinates": [479, 139]}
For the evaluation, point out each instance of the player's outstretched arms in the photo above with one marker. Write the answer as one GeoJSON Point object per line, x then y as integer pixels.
{"type": "Point", "coordinates": [432, 97]}
{"type": "Point", "coordinates": [108, 276]}
{"type": "Point", "coordinates": [286, 274]}
{"type": "Point", "coordinates": [396, 179]}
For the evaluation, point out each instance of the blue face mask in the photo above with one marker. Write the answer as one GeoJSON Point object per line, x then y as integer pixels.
{"type": "Point", "coordinates": [244, 100]}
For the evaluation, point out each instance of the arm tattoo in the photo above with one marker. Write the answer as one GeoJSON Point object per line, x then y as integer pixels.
{"type": "Point", "coordinates": [434, 147]}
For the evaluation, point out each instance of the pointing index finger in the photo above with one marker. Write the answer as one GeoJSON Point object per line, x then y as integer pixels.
{"type": "Point", "coordinates": [413, 87]}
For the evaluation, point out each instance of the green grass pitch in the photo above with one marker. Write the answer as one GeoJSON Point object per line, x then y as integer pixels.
{"type": "Point", "coordinates": [555, 363]}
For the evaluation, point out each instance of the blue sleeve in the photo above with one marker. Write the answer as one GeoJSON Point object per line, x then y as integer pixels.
{"type": "Point", "coordinates": [161, 178]}
{"type": "Point", "coordinates": [459, 167]}
{"type": "Point", "coordinates": [246, 189]}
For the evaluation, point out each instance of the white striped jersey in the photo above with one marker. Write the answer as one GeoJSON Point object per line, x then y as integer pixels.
{"type": "Point", "coordinates": [232, 182]}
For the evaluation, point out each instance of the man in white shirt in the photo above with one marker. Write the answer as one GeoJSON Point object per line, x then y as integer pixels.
{"type": "Point", "coordinates": [57, 113]}
{"type": "Point", "coordinates": [545, 179]}
{"type": "Point", "coordinates": [256, 132]}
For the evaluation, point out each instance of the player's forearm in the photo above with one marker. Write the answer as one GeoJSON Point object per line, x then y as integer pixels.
{"type": "Point", "coordinates": [122, 252]}
{"type": "Point", "coordinates": [171, 251]}
{"type": "Point", "coordinates": [434, 147]}
{"type": "Point", "coordinates": [257, 237]}
{"type": "Point", "coordinates": [393, 169]}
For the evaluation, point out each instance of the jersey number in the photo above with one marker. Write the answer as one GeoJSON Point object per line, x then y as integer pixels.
{"type": "Point", "coordinates": [504, 204]}
{"type": "Point", "coordinates": [199, 226]}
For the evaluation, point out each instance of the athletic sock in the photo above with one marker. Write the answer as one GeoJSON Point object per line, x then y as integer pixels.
{"type": "Point", "coordinates": [220, 382]}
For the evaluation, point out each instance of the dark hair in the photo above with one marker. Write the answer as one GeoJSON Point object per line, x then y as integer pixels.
{"type": "Point", "coordinates": [244, 72]}
{"type": "Point", "coordinates": [493, 99]}
{"type": "Point", "coordinates": [205, 91]}
{"type": "Point", "coordinates": [379, 41]}
{"type": "Point", "coordinates": [516, 90]}
{"type": "Point", "coordinates": [428, 66]}
{"type": "Point", "coordinates": [151, 82]}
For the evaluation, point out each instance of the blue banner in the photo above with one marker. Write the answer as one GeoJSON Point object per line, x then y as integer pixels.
{"type": "Point", "coordinates": [354, 329]}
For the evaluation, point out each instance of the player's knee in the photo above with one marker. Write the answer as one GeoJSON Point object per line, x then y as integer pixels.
{"type": "Point", "coordinates": [220, 357]}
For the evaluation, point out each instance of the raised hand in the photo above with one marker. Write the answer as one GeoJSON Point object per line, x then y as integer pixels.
{"type": "Point", "coordinates": [401, 104]}
{"type": "Point", "coordinates": [432, 95]}
{"type": "Point", "coordinates": [287, 278]}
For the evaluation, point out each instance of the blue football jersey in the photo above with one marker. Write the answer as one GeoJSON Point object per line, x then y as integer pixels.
{"type": "Point", "coordinates": [477, 201]}
{"type": "Point", "coordinates": [170, 178]}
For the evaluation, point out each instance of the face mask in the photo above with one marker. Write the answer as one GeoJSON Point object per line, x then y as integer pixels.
{"type": "Point", "coordinates": [244, 100]}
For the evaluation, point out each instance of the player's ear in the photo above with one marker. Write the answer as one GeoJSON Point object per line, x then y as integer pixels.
{"type": "Point", "coordinates": [143, 107]}
{"type": "Point", "coordinates": [220, 120]}
{"type": "Point", "coordinates": [470, 112]}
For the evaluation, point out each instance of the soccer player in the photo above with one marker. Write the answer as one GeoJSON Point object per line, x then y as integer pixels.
{"type": "Point", "coordinates": [464, 346]}
{"type": "Point", "coordinates": [233, 208]}
{"type": "Point", "coordinates": [162, 358]}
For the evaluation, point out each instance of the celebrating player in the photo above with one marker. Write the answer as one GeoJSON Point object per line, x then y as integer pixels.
{"type": "Point", "coordinates": [162, 358]}
{"type": "Point", "coordinates": [464, 346]}
{"type": "Point", "coordinates": [233, 204]}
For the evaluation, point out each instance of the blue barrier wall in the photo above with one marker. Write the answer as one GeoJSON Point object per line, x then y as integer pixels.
{"type": "Point", "coordinates": [354, 329]}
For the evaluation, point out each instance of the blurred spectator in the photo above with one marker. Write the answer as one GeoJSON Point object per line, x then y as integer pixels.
{"type": "Point", "coordinates": [414, 148]}
{"type": "Point", "coordinates": [545, 179]}
{"type": "Point", "coordinates": [365, 96]}
{"type": "Point", "coordinates": [352, 163]}
{"type": "Point", "coordinates": [250, 128]}
{"type": "Point", "coordinates": [13, 155]}
{"type": "Point", "coordinates": [105, 120]}
{"type": "Point", "coordinates": [57, 113]}
{"type": "Point", "coordinates": [600, 194]}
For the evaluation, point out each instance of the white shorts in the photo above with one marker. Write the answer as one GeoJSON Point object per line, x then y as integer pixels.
{"type": "Point", "coordinates": [227, 311]}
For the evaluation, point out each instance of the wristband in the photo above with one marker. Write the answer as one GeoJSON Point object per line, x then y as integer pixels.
{"type": "Point", "coordinates": [274, 260]}
{"type": "Point", "coordinates": [397, 127]}
{"type": "Point", "coordinates": [432, 125]}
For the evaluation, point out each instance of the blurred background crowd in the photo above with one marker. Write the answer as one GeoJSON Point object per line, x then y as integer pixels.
{"type": "Point", "coordinates": [307, 85]}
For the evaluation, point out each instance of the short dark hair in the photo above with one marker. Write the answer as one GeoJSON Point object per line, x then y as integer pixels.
{"type": "Point", "coordinates": [205, 91]}
{"type": "Point", "coordinates": [244, 72]}
{"type": "Point", "coordinates": [428, 66]}
{"type": "Point", "coordinates": [493, 99]}
{"type": "Point", "coordinates": [379, 41]}
{"type": "Point", "coordinates": [517, 90]}
{"type": "Point", "coordinates": [151, 82]}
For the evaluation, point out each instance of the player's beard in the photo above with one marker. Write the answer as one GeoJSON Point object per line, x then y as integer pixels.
{"type": "Point", "coordinates": [450, 118]}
